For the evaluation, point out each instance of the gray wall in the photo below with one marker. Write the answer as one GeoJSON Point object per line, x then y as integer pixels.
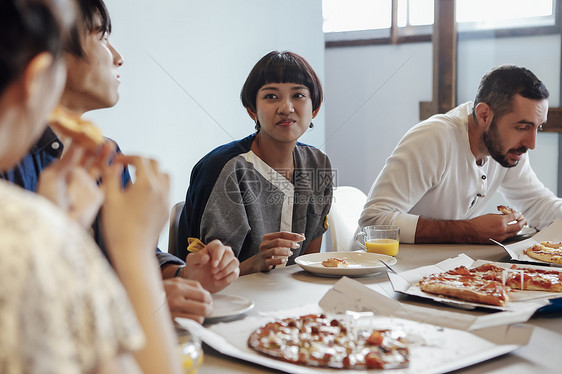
{"type": "Point", "coordinates": [185, 63]}
{"type": "Point", "coordinates": [373, 96]}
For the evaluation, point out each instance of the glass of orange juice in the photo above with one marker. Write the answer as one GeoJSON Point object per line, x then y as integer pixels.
{"type": "Point", "coordinates": [382, 239]}
{"type": "Point", "coordinates": [190, 351]}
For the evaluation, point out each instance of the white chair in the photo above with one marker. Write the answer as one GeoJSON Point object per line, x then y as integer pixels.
{"type": "Point", "coordinates": [174, 223]}
{"type": "Point", "coordinates": [347, 205]}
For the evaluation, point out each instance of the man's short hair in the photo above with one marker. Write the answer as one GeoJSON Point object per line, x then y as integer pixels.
{"type": "Point", "coordinates": [499, 86]}
{"type": "Point", "coordinates": [281, 67]}
{"type": "Point", "coordinates": [88, 11]}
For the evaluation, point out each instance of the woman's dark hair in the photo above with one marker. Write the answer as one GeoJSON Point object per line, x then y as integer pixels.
{"type": "Point", "coordinates": [28, 28]}
{"type": "Point", "coordinates": [498, 87]}
{"type": "Point", "coordinates": [281, 67]}
{"type": "Point", "coordinates": [88, 10]}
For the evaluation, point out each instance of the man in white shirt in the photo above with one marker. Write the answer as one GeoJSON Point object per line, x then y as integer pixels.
{"type": "Point", "coordinates": [436, 183]}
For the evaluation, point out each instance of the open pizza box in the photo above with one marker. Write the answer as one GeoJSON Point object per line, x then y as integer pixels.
{"type": "Point", "coordinates": [551, 233]}
{"type": "Point", "coordinates": [434, 348]}
{"type": "Point", "coordinates": [520, 308]}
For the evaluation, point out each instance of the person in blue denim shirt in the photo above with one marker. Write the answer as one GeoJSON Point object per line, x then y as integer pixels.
{"type": "Point", "coordinates": [93, 81]}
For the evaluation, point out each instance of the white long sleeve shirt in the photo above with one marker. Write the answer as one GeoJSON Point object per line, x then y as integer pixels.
{"type": "Point", "coordinates": [433, 173]}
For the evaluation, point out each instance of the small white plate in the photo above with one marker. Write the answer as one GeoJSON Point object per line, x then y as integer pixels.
{"type": "Point", "coordinates": [226, 307]}
{"type": "Point", "coordinates": [360, 263]}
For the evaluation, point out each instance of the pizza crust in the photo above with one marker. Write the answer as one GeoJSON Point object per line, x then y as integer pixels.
{"type": "Point", "coordinates": [546, 251]}
{"type": "Point", "coordinates": [505, 209]}
{"type": "Point", "coordinates": [461, 284]}
{"type": "Point", "coordinates": [490, 284]}
{"type": "Point", "coordinates": [81, 131]}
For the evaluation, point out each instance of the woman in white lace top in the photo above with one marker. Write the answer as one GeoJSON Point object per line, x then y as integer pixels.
{"type": "Point", "coordinates": [62, 307]}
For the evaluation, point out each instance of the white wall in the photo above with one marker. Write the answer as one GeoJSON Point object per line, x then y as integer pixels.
{"type": "Point", "coordinates": [373, 96]}
{"type": "Point", "coordinates": [372, 99]}
{"type": "Point", "coordinates": [185, 63]}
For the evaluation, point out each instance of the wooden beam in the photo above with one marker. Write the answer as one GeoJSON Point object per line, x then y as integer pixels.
{"type": "Point", "coordinates": [554, 120]}
{"type": "Point", "coordinates": [446, 55]}
{"type": "Point", "coordinates": [444, 60]}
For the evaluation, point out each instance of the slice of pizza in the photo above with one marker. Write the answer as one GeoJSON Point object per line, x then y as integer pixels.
{"type": "Point", "coordinates": [334, 262]}
{"type": "Point", "coordinates": [79, 130]}
{"type": "Point", "coordinates": [462, 284]}
{"type": "Point", "coordinates": [507, 210]}
{"type": "Point", "coordinates": [546, 251]}
{"type": "Point", "coordinates": [522, 278]}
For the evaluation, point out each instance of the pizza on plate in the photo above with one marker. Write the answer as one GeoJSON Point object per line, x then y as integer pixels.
{"type": "Point", "coordinates": [334, 262]}
{"type": "Point", "coordinates": [491, 284]}
{"type": "Point", "coordinates": [546, 251]}
{"type": "Point", "coordinates": [317, 340]}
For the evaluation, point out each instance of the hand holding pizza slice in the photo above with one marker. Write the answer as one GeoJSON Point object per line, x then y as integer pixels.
{"type": "Point", "coordinates": [507, 210]}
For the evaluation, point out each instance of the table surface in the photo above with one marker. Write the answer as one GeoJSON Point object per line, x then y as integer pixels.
{"type": "Point", "coordinates": [291, 287]}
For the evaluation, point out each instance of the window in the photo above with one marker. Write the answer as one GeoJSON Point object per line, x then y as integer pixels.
{"type": "Point", "coordinates": [501, 14]}
{"type": "Point", "coordinates": [354, 15]}
{"type": "Point", "coordinates": [348, 20]}
{"type": "Point", "coordinates": [415, 13]}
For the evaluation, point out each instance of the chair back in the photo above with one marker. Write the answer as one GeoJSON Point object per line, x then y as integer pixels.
{"type": "Point", "coordinates": [174, 223]}
{"type": "Point", "coordinates": [347, 205]}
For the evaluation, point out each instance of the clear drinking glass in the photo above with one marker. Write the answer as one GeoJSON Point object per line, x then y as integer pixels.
{"type": "Point", "coordinates": [189, 349]}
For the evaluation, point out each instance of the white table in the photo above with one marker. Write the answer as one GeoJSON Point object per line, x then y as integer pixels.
{"type": "Point", "coordinates": [291, 287]}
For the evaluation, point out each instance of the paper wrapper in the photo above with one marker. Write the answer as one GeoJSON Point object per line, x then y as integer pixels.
{"type": "Point", "coordinates": [434, 349]}
{"type": "Point", "coordinates": [551, 233]}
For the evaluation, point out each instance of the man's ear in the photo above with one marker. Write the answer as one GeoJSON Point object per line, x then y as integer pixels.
{"type": "Point", "coordinates": [484, 115]}
{"type": "Point", "coordinates": [253, 115]}
{"type": "Point", "coordinates": [315, 113]}
{"type": "Point", "coordinates": [35, 72]}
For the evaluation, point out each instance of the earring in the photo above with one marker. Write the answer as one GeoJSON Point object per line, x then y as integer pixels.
{"type": "Point", "coordinates": [311, 125]}
{"type": "Point", "coordinates": [258, 125]}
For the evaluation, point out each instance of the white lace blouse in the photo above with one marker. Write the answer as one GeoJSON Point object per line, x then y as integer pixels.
{"type": "Point", "coordinates": [62, 308]}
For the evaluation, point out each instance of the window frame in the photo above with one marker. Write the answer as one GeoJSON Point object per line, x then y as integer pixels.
{"type": "Point", "coordinates": [416, 34]}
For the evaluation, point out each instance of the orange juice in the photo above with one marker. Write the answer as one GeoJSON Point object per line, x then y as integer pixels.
{"type": "Point", "coordinates": [384, 246]}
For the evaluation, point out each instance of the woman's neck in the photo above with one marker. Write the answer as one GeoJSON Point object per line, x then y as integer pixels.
{"type": "Point", "coordinates": [277, 155]}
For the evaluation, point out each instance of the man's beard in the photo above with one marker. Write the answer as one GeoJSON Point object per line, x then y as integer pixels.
{"type": "Point", "coordinates": [494, 146]}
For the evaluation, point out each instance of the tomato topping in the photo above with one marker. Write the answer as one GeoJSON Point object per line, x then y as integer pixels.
{"type": "Point", "coordinates": [376, 338]}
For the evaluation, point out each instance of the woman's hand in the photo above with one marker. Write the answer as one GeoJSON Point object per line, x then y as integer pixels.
{"type": "Point", "coordinates": [133, 217]}
{"type": "Point", "coordinates": [71, 182]}
{"type": "Point", "coordinates": [187, 299]}
{"type": "Point", "coordinates": [275, 249]}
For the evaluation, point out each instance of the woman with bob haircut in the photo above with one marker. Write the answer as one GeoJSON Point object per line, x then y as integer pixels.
{"type": "Point", "coordinates": [267, 195]}
{"type": "Point", "coordinates": [62, 307]}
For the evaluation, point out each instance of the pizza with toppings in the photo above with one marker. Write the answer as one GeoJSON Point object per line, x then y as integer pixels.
{"type": "Point", "coordinates": [321, 341]}
{"type": "Point", "coordinates": [491, 284]}
{"type": "Point", "coordinates": [464, 284]}
{"type": "Point", "coordinates": [546, 251]}
{"type": "Point", "coordinates": [334, 262]}
{"type": "Point", "coordinates": [505, 209]}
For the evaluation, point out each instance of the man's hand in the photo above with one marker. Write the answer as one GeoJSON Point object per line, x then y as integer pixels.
{"type": "Point", "coordinates": [215, 267]}
{"type": "Point", "coordinates": [187, 299]}
{"type": "Point", "coordinates": [496, 226]}
{"type": "Point", "coordinates": [478, 230]}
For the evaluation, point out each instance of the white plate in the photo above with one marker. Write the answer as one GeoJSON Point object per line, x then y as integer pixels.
{"type": "Point", "coordinates": [227, 307]}
{"type": "Point", "coordinates": [360, 263]}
